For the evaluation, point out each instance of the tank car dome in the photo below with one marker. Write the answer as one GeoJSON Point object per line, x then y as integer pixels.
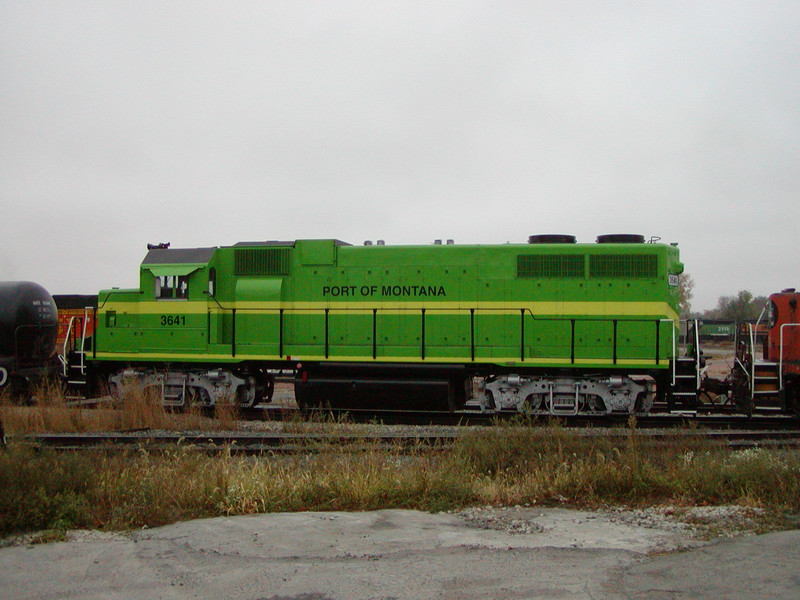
{"type": "Point", "coordinates": [551, 238]}
{"type": "Point", "coordinates": [620, 238]}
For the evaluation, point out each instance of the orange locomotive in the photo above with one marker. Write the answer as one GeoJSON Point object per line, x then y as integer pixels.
{"type": "Point", "coordinates": [770, 383]}
{"type": "Point", "coordinates": [74, 311]}
{"type": "Point", "coordinates": [76, 325]}
{"type": "Point", "coordinates": [783, 341]}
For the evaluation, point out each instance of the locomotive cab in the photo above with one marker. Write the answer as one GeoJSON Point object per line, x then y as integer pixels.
{"type": "Point", "coordinates": [782, 344]}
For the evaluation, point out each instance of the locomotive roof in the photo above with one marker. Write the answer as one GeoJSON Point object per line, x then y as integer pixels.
{"type": "Point", "coordinates": [74, 301]}
{"type": "Point", "coordinates": [179, 256]}
{"type": "Point", "coordinates": [266, 243]}
{"type": "Point", "coordinates": [285, 243]}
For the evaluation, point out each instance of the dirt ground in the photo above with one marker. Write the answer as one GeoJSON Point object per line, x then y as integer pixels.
{"type": "Point", "coordinates": [719, 358]}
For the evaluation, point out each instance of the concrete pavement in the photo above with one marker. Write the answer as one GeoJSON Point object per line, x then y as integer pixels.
{"type": "Point", "coordinates": [399, 554]}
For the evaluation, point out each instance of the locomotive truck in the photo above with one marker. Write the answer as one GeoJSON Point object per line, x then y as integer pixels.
{"type": "Point", "coordinates": [552, 326]}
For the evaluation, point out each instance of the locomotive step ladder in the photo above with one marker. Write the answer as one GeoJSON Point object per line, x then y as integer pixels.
{"type": "Point", "coordinates": [173, 395]}
{"type": "Point", "coordinates": [684, 392]}
{"type": "Point", "coordinates": [765, 388]}
{"type": "Point", "coordinates": [564, 405]}
{"type": "Point", "coordinates": [73, 358]}
{"type": "Point", "coordinates": [76, 375]}
{"type": "Point", "coordinates": [761, 378]}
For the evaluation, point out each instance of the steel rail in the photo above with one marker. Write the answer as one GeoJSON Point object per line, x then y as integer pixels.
{"type": "Point", "coordinates": [645, 421]}
{"type": "Point", "coordinates": [294, 443]}
{"type": "Point", "coordinates": [703, 418]}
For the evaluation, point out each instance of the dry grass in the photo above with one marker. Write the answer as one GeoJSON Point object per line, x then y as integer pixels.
{"type": "Point", "coordinates": [52, 412]}
{"type": "Point", "coordinates": [226, 414]}
{"type": "Point", "coordinates": [500, 466]}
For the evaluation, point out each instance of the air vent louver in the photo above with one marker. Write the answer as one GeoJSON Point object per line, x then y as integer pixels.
{"type": "Point", "coordinates": [624, 265]}
{"type": "Point", "coordinates": [262, 261]}
{"type": "Point", "coordinates": [550, 265]}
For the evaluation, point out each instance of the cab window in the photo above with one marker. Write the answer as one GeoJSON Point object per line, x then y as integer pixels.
{"type": "Point", "coordinates": [172, 287]}
{"type": "Point", "coordinates": [772, 314]}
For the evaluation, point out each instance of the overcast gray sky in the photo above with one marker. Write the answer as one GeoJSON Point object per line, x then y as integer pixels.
{"type": "Point", "coordinates": [208, 123]}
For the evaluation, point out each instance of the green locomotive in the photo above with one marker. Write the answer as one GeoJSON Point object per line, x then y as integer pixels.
{"type": "Point", "coordinates": [551, 326]}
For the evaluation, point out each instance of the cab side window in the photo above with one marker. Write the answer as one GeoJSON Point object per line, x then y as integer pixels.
{"type": "Point", "coordinates": [172, 287]}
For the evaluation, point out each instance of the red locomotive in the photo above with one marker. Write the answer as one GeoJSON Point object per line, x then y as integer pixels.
{"type": "Point", "coordinates": [770, 382]}
{"type": "Point", "coordinates": [783, 343]}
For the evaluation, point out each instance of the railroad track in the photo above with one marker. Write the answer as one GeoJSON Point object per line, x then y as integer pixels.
{"type": "Point", "coordinates": [653, 420]}
{"type": "Point", "coordinates": [247, 443]}
{"type": "Point", "coordinates": [292, 443]}
{"type": "Point", "coordinates": [703, 418]}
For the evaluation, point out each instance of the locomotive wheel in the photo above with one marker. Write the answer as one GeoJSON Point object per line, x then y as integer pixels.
{"type": "Point", "coordinates": [490, 403]}
{"type": "Point", "coordinates": [531, 404]}
{"type": "Point", "coordinates": [269, 388]}
{"type": "Point", "coordinates": [241, 397]}
{"type": "Point", "coordinates": [265, 387]}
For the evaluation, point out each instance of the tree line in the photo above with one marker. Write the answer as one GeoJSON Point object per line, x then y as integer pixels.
{"type": "Point", "coordinates": [744, 306]}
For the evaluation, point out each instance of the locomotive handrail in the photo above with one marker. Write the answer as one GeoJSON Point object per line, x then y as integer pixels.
{"type": "Point", "coordinates": [752, 335]}
{"type": "Point", "coordinates": [429, 308]}
{"type": "Point", "coordinates": [423, 313]}
{"type": "Point", "coordinates": [780, 353]}
{"type": "Point", "coordinates": [744, 370]}
{"type": "Point", "coordinates": [82, 351]}
{"type": "Point", "coordinates": [63, 356]}
{"type": "Point", "coordinates": [750, 373]}
{"type": "Point", "coordinates": [214, 298]}
{"type": "Point", "coordinates": [471, 311]}
{"type": "Point", "coordinates": [695, 330]}
{"type": "Point", "coordinates": [675, 342]}
{"type": "Point", "coordinates": [112, 292]}
{"type": "Point", "coordinates": [83, 338]}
